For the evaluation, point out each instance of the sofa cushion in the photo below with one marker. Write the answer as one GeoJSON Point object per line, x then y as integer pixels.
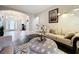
{"type": "Point", "coordinates": [59, 38]}
{"type": "Point", "coordinates": [52, 31]}
{"type": "Point", "coordinates": [69, 36]}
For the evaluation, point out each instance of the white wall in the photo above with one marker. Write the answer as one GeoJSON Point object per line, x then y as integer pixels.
{"type": "Point", "coordinates": [66, 23]}
{"type": "Point", "coordinates": [35, 24]}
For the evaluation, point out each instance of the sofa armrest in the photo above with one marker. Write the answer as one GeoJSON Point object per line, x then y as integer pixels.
{"type": "Point", "coordinates": [74, 39]}
{"type": "Point", "coordinates": [74, 42]}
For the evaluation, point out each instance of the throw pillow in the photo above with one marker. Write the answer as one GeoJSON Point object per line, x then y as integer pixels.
{"type": "Point", "coordinates": [69, 36]}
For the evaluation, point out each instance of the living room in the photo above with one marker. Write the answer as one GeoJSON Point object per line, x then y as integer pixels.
{"type": "Point", "coordinates": [25, 22]}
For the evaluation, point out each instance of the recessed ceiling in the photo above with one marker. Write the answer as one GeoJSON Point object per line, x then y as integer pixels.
{"type": "Point", "coordinates": [35, 9]}
{"type": "Point", "coordinates": [32, 9]}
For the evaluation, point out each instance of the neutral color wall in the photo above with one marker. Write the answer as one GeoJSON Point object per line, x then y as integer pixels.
{"type": "Point", "coordinates": [35, 24]}
{"type": "Point", "coordinates": [66, 23]}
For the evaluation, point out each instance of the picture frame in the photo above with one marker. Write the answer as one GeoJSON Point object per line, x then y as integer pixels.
{"type": "Point", "coordinates": [53, 16]}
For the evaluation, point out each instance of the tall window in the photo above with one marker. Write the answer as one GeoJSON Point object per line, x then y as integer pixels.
{"type": "Point", "coordinates": [10, 23]}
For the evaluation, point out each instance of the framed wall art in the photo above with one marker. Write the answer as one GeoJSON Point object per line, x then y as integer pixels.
{"type": "Point", "coordinates": [53, 16]}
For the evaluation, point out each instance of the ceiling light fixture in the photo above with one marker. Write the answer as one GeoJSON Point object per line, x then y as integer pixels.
{"type": "Point", "coordinates": [72, 14]}
{"type": "Point", "coordinates": [59, 14]}
{"type": "Point", "coordinates": [76, 9]}
{"type": "Point", "coordinates": [64, 15]}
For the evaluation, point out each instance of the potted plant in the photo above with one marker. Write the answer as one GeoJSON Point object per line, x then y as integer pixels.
{"type": "Point", "coordinates": [43, 33]}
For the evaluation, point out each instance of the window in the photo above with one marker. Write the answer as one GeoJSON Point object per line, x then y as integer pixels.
{"type": "Point", "coordinates": [10, 23]}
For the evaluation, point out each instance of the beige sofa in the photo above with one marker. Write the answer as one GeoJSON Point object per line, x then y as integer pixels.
{"type": "Point", "coordinates": [67, 42]}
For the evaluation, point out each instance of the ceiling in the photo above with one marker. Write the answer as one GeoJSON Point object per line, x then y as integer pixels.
{"type": "Point", "coordinates": [32, 9]}
{"type": "Point", "coordinates": [35, 9]}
